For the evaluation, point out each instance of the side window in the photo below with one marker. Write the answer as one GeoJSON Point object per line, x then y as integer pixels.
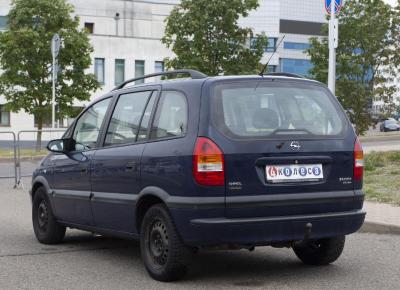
{"type": "Point", "coordinates": [125, 121]}
{"type": "Point", "coordinates": [171, 116]}
{"type": "Point", "coordinates": [88, 126]}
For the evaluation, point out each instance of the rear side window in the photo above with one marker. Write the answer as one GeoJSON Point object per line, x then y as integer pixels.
{"type": "Point", "coordinates": [263, 110]}
{"type": "Point", "coordinates": [171, 116]}
{"type": "Point", "coordinates": [126, 118]}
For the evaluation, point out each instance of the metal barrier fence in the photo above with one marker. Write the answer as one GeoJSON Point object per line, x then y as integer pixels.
{"type": "Point", "coordinates": [34, 152]}
{"type": "Point", "coordinates": [13, 157]}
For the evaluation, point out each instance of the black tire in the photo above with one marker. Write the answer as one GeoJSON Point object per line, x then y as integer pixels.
{"type": "Point", "coordinates": [163, 252]}
{"type": "Point", "coordinates": [45, 226]}
{"type": "Point", "coordinates": [320, 252]}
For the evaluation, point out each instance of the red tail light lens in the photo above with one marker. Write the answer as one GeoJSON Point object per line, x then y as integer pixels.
{"type": "Point", "coordinates": [208, 163]}
{"type": "Point", "coordinates": [358, 161]}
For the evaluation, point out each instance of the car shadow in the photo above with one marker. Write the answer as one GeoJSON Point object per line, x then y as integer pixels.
{"type": "Point", "coordinates": [242, 268]}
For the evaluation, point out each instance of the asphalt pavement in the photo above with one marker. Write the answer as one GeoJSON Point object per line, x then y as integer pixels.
{"type": "Point", "coordinates": [381, 144]}
{"type": "Point", "coordinates": [85, 261]}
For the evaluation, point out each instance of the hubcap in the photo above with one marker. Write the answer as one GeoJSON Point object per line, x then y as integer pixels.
{"type": "Point", "coordinates": [158, 243]}
{"type": "Point", "coordinates": [43, 216]}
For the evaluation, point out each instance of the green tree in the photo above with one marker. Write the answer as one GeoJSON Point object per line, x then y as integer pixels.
{"type": "Point", "coordinates": [26, 60]}
{"type": "Point", "coordinates": [205, 35]}
{"type": "Point", "coordinates": [367, 58]}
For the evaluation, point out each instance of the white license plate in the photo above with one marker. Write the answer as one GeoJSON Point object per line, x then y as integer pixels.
{"type": "Point", "coordinates": [293, 173]}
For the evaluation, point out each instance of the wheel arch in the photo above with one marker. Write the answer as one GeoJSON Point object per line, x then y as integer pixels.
{"type": "Point", "coordinates": [148, 197]}
{"type": "Point", "coordinates": [39, 181]}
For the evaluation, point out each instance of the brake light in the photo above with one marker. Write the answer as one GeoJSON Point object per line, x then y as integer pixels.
{"type": "Point", "coordinates": [208, 163]}
{"type": "Point", "coordinates": [358, 161]}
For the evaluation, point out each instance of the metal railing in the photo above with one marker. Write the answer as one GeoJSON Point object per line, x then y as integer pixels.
{"type": "Point", "coordinates": [45, 138]}
{"type": "Point", "coordinates": [14, 158]}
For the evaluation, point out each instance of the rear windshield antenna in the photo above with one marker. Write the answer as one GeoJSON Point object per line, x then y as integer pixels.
{"type": "Point", "coordinates": [276, 48]}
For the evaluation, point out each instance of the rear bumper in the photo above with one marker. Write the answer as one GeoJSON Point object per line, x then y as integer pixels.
{"type": "Point", "coordinates": [260, 231]}
{"type": "Point", "coordinates": [263, 231]}
{"type": "Point", "coordinates": [210, 226]}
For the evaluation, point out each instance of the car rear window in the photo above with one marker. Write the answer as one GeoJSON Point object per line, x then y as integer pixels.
{"type": "Point", "coordinates": [269, 109]}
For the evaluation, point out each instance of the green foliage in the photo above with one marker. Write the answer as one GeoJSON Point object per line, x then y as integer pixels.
{"type": "Point", "coordinates": [381, 178]}
{"type": "Point", "coordinates": [204, 35]}
{"type": "Point", "coordinates": [368, 57]}
{"type": "Point", "coordinates": [376, 160]}
{"type": "Point", "coordinates": [373, 161]}
{"type": "Point", "coordinates": [26, 60]}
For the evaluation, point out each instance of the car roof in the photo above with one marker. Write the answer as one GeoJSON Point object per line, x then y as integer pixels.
{"type": "Point", "coordinates": [179, 83]}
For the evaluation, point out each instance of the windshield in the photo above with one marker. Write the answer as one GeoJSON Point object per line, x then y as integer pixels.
{"type": "Point", "coordinates": [391, 122]}
{"type": "Point", "coordinates": [267, 109]}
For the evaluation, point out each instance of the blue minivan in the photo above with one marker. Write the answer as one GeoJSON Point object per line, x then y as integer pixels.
{"type": "Point", "coordinates": [201, 162]}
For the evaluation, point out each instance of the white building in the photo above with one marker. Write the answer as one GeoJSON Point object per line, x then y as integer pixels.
{"type": "Point", "coordinates": [126, 37]}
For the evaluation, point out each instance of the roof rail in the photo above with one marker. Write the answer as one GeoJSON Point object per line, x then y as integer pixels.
{"type": "Point", "coordinates": [194, 74]}
{"type": "Point", "coordinates": [283, 74]}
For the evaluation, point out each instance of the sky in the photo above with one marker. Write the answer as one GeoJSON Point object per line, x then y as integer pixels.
{"type": "Point", "coordinates": [391, 2]}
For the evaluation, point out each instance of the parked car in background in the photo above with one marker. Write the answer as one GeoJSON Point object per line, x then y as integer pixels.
{"type": "Point", "coordinates": [390, 125]}
{"type": "Point", "coordinates": [206, 163]}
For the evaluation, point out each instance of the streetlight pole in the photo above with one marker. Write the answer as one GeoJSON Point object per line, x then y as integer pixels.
{"type": "Point", "coordinates": [55, 49]}
{"type": "Point", "coordinates": [333, 43]}
{"type": "Point", "coordinates": [53, 95]}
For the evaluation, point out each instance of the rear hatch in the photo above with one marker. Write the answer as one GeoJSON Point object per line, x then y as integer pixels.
{"type": "Point", "coordinates": [287, 145]}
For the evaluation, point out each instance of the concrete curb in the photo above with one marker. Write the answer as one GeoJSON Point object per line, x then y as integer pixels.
{"type": "Point", "coordinates": [380, 228]}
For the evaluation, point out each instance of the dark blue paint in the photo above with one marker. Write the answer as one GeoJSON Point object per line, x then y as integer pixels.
{"type": "Point", "coordinates": [105, 197]}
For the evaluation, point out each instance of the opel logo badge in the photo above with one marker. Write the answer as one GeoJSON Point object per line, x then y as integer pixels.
{"type": "Point", "coordinates": [295, 145]}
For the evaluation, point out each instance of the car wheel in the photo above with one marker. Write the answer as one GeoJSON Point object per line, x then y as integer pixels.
{"type": "Point", "coordinates": [163, 252]}
{"type": "Point", "coordinates": [320, 252]}
{"type": "Point", "coordinates": [47, 229]}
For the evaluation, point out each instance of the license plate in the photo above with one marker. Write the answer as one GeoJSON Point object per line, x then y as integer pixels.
{"type": "Point", "coordinates": [293, 173]}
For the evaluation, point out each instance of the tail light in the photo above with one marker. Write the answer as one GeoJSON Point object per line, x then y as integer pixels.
{"type": "Point", "coordinates": [208, 163]}
{"type": "Point", "coordinates": [358, 161]}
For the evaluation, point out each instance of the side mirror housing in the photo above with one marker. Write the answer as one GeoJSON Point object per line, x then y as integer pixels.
{"type": "Point", "coordinates": [61, 145]}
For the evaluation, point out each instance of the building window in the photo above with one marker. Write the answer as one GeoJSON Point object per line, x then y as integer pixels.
{"type": "Point", "coordinates": [272, 68]}
{"type": "Point", "coordinates": [296, 45]}
{"type": "Point", "coordinates": [3, 22]}
{"type": "Point", "coordinates": [4, 116]}
{"type": "Point", "coordinates": [89, 26]}
{"type": "Point", "coordinates": [119, 71]}
{"type": "Point", "coordinates": [271, 46]}
{"type": "Point", "coordinates": [159, 66]}
{"type": "Point", "coordinates": [99, 69]}
{"type": "Point", "coordinates": [296, 66]}
{"type": "Point", "coordinates": [253, 43]}
{"type": "Point", "coordinates": [139, 71]}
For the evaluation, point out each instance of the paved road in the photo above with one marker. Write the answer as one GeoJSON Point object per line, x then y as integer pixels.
{"type": "Point", "coordinates": [87, 262]}
{"type": "Point", "coordinates": [381, 145]}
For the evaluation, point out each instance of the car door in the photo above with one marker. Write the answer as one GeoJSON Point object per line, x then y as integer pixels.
{"type": "Point", "coordinates": [116, 166]}
{"type": "Point", "coordinates": [71, 187]}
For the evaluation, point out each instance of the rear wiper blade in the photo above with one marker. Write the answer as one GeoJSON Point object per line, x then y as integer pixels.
{"type": "Point", "coordinates": [291, 131]}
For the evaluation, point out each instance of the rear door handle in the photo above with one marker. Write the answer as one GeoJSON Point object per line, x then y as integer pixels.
{"type": "Point", "coordinates": [84, 170]}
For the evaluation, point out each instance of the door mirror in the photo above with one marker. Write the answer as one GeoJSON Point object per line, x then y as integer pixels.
{"type": "Point", "coordinates": [56, 145]}
{"type": "Point", "coordinates": [61, 145]}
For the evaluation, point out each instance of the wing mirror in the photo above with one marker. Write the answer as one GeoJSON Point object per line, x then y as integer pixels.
{"type": "Point", "coordinates": [61, 145]}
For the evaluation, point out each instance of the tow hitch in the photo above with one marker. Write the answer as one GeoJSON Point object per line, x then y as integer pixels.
{"type": "Point", "coordinates": [307, 236]}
